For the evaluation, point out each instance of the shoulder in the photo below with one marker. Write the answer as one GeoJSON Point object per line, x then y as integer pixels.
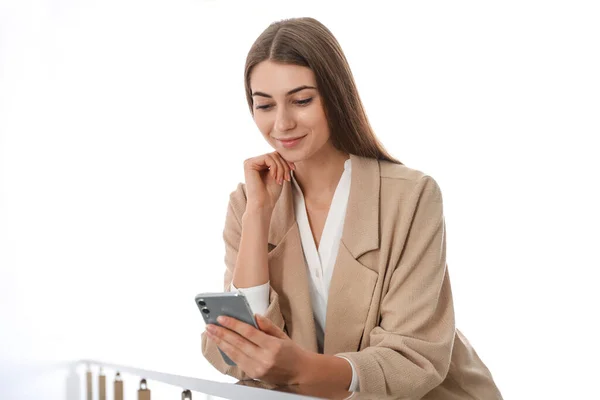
{"type": "Point", "coordinates": [399, 171]}
{"type": "Point", "coordinates": [409, 182]}
{"type": "Point", "coordinates": [237, 200]}
{"type": "Point", "coordinates": [395, 174]}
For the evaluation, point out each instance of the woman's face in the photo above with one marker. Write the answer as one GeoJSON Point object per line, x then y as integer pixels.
{"type": "Point", "coordinates": [288, 110]}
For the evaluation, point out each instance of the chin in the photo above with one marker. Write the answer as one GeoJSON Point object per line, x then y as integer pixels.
{"type": "Point", "coordinates": [291, 157]}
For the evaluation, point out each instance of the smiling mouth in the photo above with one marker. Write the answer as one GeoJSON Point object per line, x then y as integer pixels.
{"type": "Point", "coordinates": [290, 143]}
{"type": "Point", "coordinates": [290, 140]}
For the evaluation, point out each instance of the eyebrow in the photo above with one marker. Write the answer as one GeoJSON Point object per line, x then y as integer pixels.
{"type": "Point", "coordinates": [296, 90]}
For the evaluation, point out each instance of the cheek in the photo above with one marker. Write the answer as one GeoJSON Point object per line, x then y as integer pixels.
{"type": "Point", "coordinates": [263, 123]}
{"type": "Point", "coordinates": [316, 121]}
{"type": "Point", "coordinates": [324, 126]}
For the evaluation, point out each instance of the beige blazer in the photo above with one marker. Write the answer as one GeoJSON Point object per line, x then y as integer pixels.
{"type": "Point", "coordinates": [390, 308]}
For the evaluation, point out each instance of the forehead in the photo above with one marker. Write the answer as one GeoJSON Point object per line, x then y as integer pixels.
{"type": "Point", "coordinates": [277, 79]}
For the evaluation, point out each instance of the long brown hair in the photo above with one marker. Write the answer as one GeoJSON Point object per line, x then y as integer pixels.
{"type": "Point", "coordinates": [308, 43]}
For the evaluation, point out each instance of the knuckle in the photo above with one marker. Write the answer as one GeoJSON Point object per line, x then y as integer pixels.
{"type": "Point", "coordinates": [225, 347]}
{"type": "Point", "coordinates": [260, 372]}
{"type": "Point", "coordinates": [245, 331]}
{"type": "Point", "coordinates": [229, 349]}
{"type": "Point", "coordinates": [238, 342]}
{"type": "Point", "coordinates": [268, 362]}
{"type": "Point", "coordinates": [275, 349]}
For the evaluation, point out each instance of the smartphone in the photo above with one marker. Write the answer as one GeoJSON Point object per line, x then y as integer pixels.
{"type": "Point", "coordinates": [229, 304]}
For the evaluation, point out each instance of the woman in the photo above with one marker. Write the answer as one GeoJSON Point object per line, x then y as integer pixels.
{"type": "Point", "coordinates": [339, 248]}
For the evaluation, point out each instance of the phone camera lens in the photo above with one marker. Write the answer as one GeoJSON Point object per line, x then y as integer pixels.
{"type": "Point", "coordinates": [201, 303]}
{"type": "Point", "coordinates": [205, 310]}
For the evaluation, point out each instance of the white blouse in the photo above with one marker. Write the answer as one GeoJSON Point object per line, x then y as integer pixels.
{"type": "Point", "coordinates": [320, 261]}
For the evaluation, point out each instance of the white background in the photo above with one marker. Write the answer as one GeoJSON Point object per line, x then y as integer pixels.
{"type": "Point", "coordinates": [123, 128]}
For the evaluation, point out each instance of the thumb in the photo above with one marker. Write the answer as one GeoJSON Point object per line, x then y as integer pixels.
{"type": "Point", "coordinates": [268, 327]}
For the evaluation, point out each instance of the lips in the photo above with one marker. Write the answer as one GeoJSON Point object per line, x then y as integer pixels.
{"type": "Point", "coordinates": [290, 139]}
{"type": "Point", "coordinates": [292, 142]}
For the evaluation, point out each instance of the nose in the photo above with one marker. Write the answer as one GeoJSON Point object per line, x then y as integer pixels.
{"type": "Point", "coordinates": [284, 120]}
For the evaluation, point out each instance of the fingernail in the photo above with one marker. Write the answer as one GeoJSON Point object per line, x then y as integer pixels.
{"type": "Point", "coordinates": [210, 329]}
{"type": "Point", "coordinates": [222, 320]}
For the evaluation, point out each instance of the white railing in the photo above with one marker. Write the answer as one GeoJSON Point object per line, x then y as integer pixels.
{"type": "Point", "coordinates": [196, 388]}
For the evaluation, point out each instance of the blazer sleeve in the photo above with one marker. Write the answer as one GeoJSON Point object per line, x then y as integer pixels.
{"type": "Point", "coordinates": [409, 351]}
{"type": "Point", "coordinates": [232, 234]}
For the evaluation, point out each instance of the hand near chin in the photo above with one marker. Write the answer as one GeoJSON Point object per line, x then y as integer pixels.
{"type": "Point", "coordinates": [265, 176]}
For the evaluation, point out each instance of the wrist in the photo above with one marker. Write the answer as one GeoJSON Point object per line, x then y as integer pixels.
{"type": "Point", "coordinates": [255, 211]}
{"type": "Point", "coordinates": [317, 369]}
{"type": "Point", "coordinates": [308, 365]}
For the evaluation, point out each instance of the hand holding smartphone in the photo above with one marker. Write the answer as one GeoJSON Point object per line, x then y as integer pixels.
{"type": "Point", "coordinates": [229, 304]}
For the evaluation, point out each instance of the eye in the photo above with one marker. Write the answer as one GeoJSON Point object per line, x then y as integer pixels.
{"type": "Point", "coordinates": [263, 107]}
{"type": "Point", "coordinates": [304, 102]}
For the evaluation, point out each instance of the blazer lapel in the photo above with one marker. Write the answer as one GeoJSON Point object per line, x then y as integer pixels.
{"type": "Point", "coordinates": [352, 283]}
{"type": "Point", "coordinates": [288, 272]}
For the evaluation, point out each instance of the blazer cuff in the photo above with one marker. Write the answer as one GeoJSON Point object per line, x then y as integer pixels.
{"type": "Point", "coordinates": [257, 296]}
{"type": "Point", "coordinates": [354, 383]}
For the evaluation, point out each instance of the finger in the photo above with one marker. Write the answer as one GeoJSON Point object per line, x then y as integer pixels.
{"type": "Point", "coordinates": [289, 163]}
{"type": "Point", "coordinates": [291, 167]}
{"type": "Point", "coordinates": [286, 168]}
{"type": "Point", "coordinates": [280, 168]}
{"type": "Point", "coordinates": [220, 335]}
{"type": "Point", "coordinates": [250, 333]}
{"type": "Point", "coordinates": [273, 166]}
{"type": "Point", "coordinates": [256, 163]}
{"type": "Point", "coordinates": [244, 361]}
{"type": "Point", "coordinates": [268, 327]}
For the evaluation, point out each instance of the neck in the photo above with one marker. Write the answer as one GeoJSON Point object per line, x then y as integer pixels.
{"type": "Point", "coordinates": [319, 175]}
